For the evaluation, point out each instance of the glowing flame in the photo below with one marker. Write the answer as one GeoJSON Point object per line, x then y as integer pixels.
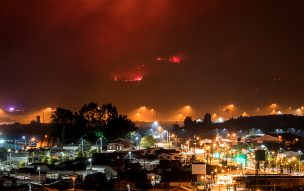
{"type": "Point", "coordinates": [175, 59]}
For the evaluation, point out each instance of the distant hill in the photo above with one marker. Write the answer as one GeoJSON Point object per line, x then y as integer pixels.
{"type": "Point", "coordinates": [263, 124]}
{"type": "Point", "coordinates": [267, 123]}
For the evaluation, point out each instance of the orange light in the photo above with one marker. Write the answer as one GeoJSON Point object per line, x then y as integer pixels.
{"type": "Point", "coordinates": [187, 107]}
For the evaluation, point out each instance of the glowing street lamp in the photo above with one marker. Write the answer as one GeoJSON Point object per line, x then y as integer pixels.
{"type": "Point", "coordinates": [130, 156]}
{"type": "Point", "coordinates": [143, 108]}
{"type": "Point", "coordinates": [155, 124]}
{"type": "Point", "coordinates": [188, 108]}
{"type": "Point", "coordinates": [32, 141]}
{"type": "Point", "coordinates": [244, 114]}
{"type": "Point", "coordinates": [38, 168]}
{"type": "Point", "coordinates": [23, 137]}
{"type": "Point", "coordinates": [90, 161]}
{"type": "Point", "coordinates": [11, 109]}
{"type": "Point", "coordinates": [274, 106]}
{"type": "Point", "coordinates": [153, 181]}
{"type": "Point", "coordinates": [180, 117]}
{"type": "Point", "coordinates": [10, 155]}
{"type": "Point", "coordinates": [220, 120]}
{"type": "Point", "coordinates": [159, 128]}
{"type": "Point", "coordinates": [62, 156]}
{"type": "Point", "coordinates": [73, 180]}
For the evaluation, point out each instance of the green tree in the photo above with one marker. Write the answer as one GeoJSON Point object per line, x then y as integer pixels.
{"type": "Point", "coordinates": [22, 164]}
{"type": "Point", "coordinates": [147, 141]}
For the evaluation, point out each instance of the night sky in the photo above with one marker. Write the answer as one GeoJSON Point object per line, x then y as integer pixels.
{"type": "Point", "coordinates": [163, 54]}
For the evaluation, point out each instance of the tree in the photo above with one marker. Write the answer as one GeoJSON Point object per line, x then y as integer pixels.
{"type": "Point", "coordinates": [207, 119]}
{"type": "Point", "coordinates": [63, 119]}
{"type": "Point", "coordinates": [97, 117]}
{"type": "Point", "coordinates": [175, 127]}
{"type": "Point", "coordinates": [91, 123]}
{"type": "Point", "coordinates": [147, 141]}
{"type": "Point", "coordinates": [104, 121]}
{"type": "Point", "coordinates": [109, 112]}
{"type": "Point", "coordinates": [119, 127]}
{"type": "Point", "coordinates": [92, 115]}
{"type": "Point", "coordinates": [188, 122]}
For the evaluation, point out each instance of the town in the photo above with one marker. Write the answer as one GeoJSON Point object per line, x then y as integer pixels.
{"type": "Point", "coordinates": [152, 157]}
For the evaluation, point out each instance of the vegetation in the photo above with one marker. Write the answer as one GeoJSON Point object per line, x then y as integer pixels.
{"type": "Point", "coordinates": [147, 141]}
{"type": "Point", "coordinates": [91, 123]}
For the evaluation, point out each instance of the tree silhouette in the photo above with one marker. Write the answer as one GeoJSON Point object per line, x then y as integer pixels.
{"type": "Point", "coordinates": [207, 120]}
{"type": "Point", "coordinates": [188, 122]}
{"type": "Point", "coordinates": [92, 115]}
{"type": "Point", "coordinates": [119, 127]}
{"type": "Point", "coordinates": [91, 123]}
{"type": "Point", "coordinates": [64, 120]}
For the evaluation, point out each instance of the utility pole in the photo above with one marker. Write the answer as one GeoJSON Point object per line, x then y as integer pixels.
{"type": "Point", "coordinates": [100, 144]}
{"type": "Point", "coordinates": [82, 145]}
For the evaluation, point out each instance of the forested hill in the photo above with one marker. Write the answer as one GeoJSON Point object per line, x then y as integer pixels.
{"type": "Point", "coordinates": [255, 124]}
{"type": "Point", "coordinates": [266, 123]}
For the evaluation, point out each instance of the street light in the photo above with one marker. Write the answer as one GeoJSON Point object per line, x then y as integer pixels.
{"type": "Point", "coordinates": [188, 147]}
{"type": "Point", "coordinates": [62, 156]}
{"type": "Point", "coordinates": [73, 180]}
{"type": "Point", "coordinates": [1, 141]}
{"type": "Point", "coordinates": [10, 155]}
{"type": "Point", "coordinates": [38, 168]}
{"type": "Point", "coordinates": [100, 139]}
{"type": "Point", "coordinates": [23, 137]}
{"type": "Point", "coordinates": [15, 145]}
{"type": "Point", "coordinates": [136, 138]}
{"type": "Point", "coordinates": [81, 145]}
{"type": "Point", "coordinates": [90, 160]}
{"type": "Point", "coordinates": [130, 157]}
{"type": "Point", "coordinates": [32, 140]}
{"type": "Point", "coordinates": [153, 181]}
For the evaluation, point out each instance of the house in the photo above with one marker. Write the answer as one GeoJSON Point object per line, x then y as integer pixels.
{"type": "Point", "coordinates": [120, 145]}
{"type": "Point", "coordinates": [18, 157]}
{"type": "Point", "coordinates": [266, 139]}
{"type": "Point", "coordinates": [105, 169]}
{"type": "Point", "coordinates": [168, 156]}
{"type": "Point", "coordinates": [183, 188]}
{"type": "Point", "coordinates": [154, 177]}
